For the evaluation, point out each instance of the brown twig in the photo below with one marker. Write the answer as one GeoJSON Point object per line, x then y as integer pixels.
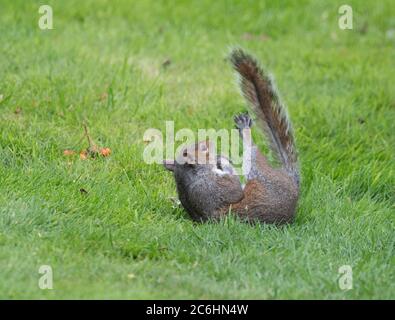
{"type": "Point", "coordinates": [92, 149]}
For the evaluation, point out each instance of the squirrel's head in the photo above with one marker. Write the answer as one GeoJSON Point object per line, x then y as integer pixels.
{"type": "Point", "coordinates": [206, 182]}
{"type": "Point", "coordinates": [200, 157]}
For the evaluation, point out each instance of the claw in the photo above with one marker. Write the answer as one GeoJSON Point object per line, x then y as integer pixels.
{"type": "Point", "coordinates": [243, 121]}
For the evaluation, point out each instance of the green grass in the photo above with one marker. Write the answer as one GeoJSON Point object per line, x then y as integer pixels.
{"type": "Point", "coordinates": [124, 239]}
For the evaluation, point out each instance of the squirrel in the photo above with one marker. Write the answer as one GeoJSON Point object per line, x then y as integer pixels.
{"type": "Point", "coordinates": [210, 189]}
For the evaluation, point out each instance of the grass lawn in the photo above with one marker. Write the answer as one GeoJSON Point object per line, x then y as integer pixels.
{"type": "Point", "coordinates": [126, 66]}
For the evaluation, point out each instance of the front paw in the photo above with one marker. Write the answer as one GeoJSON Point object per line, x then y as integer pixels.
{"type": "Point", "coordinates": [243, 121]}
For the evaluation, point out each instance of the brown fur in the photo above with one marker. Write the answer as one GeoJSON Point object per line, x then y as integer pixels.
{"type": "Point", "coordinates": [209, 189]}
{"type": "Point", "coordinates": [274, 203]}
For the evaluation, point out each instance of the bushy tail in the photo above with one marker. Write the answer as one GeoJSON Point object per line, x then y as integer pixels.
{"type": "Point", "coordinates": [258, 88]}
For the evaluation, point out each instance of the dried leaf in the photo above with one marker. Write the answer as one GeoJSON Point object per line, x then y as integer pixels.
{"type": "Point", "coordinates": [103, 96]}
{"type": "Point", "coordinates": [68, 152]}
{"type": "Point", "coordinates": [84, 155]}
{"type": "Point", "coordinates": [105, 152]}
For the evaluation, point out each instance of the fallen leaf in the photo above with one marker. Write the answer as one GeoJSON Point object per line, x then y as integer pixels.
{"type": "Point", "coordinates": [84, 155]}
{"type": "Point", "coordinates": [103, 96]}
{"type": "Point", "coordinates": [264, 37]}
{"type": "Point", "coordinates": [105, 152]}
{"type": "Point", "coordinates": [247, 36]}
{"type": "Point", "coordinates": [250, 36]}
{"type": "Point", "coordinates": [131, 276]}
{"type": "Point", "coordinates": [18, 110]}
{"type": "Point", "coordinates": [68, 152]}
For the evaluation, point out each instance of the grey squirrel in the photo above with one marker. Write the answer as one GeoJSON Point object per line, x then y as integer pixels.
{"type": "Point", "coordinates": [210, 189]}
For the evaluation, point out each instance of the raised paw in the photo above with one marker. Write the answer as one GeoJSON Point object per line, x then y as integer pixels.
{"type": "Point", "coordinates": [243, 121]}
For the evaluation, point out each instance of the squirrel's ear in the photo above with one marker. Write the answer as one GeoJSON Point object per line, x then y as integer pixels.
{"type": "Point", "coordinates": [169, 164]}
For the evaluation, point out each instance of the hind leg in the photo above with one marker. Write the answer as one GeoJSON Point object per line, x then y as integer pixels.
{"type": "Point", "coordinates": [253, 161]}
